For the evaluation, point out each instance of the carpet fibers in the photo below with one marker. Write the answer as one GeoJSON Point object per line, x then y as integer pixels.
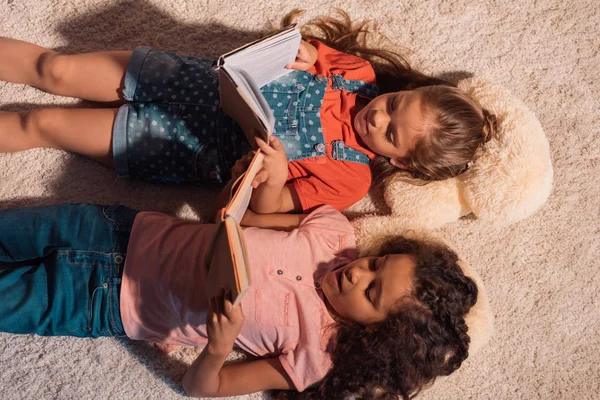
{"type": "Point", "coordinates": [540, 273]}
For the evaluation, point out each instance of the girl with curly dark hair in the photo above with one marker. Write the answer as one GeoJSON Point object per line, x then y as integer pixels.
{"type": "Point", "coordinates": [324, 323]}
{"type": "Point", "coordinates": [424, 335]}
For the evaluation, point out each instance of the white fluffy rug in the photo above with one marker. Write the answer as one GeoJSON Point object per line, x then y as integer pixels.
{"type": "Point", "coordinates": [541, 273]}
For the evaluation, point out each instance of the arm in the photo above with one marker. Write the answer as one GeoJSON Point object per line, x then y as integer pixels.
{"type": "Point", "coordinates": [208, 376]}
{"type": "Point", "coordinates": [271, 194]}
{"type": "Point", "coordinates": [268, 199]}
{"type": "Point", "coordinates": [281, 222]}
{"type": "Point", "coordinates": [234, 379]}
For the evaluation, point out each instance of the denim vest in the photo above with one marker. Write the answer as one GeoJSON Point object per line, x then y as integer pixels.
{"type": "Point", "coordinates": [296, 100]}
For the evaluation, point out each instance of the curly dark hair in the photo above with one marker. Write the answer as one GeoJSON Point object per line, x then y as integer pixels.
{"type": "Point", "coordinates": [424, 338]}
{"type": "Point", "coordinates": [458, 126]}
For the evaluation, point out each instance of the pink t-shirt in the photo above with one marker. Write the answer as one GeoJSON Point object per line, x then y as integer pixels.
{"type": "Point", "coordinates": [162, 296]}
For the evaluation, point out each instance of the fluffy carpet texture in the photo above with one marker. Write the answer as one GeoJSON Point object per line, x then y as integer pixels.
{"type": "Point", "coordinates": [540, 273]}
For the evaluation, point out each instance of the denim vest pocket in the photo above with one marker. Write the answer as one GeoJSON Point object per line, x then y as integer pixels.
{"type": "Point", "coordinates": [276, 307]}
{"type": "Point", "coordinates": [283, 97]}
{"type": "Point", "coordinates": [296, 103]}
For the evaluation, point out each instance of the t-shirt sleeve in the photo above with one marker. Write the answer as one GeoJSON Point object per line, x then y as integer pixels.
{"type": "Point", "coordinates": [331, 61]}
{"type": "Point", "coordinates": [305, 366]}
{"type": "Point", "coordinates": [340, 185]}
{"type": "Point", "coordinates": [327, 218]}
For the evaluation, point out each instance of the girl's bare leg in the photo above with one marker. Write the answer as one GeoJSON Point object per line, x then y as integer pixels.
{"type": "Point", "coordinates": [90, 76]}
{"type": "Point", "coordinates": [87, 131]}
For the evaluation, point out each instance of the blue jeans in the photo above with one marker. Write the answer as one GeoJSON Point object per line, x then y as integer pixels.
{"type": "Point", "coordinates": [61, 268]}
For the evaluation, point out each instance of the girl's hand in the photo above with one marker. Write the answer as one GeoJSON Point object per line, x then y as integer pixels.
{"type": "Point", "coordinates": [306, 57]}
{"type": "Point", "coordinates": [223, 323]}
{"type": "Point", "coordinates": [241, 165]}
{"type": "Point", "coordinates": [275, 169]}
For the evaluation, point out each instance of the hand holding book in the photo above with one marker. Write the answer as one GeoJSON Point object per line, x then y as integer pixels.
{"type": "Point", "coordinates": [274, 172]}
{"type": "Point", "coordinates": [223, 323]}
{"type": "Point", "coordinates": [306, 57]}
{"type": "Point", "coordinates": [241, 166]}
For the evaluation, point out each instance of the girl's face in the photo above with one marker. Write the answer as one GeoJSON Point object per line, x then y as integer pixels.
{"type": "Point", "coordinates": [390, 124]}
{"type": "Point", "coordinates": [365, 290]}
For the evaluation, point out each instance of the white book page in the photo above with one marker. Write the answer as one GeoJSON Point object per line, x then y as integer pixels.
{"type": "Point", "coordinates": [266, 61]}
{"type": "Point", "coordinates": [251, 67]}
{"type": "Point", "coordinates": [253, 96]}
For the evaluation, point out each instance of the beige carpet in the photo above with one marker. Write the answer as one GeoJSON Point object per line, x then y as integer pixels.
{"type": "Point", "coordinates": [541, 274]}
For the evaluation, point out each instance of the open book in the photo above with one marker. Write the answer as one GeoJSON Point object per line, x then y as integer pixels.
{"type": "Point", "coordinates": [243, 71]}
{"type": "Point", "coordinates": [227, 261]}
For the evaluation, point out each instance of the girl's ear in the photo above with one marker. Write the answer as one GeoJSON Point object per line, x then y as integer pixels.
{"type": "Point", "coordinates": [399, 163]}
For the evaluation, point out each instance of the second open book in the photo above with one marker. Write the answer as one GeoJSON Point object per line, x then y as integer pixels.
{"type": "Point", "coordinates": [227, 261]}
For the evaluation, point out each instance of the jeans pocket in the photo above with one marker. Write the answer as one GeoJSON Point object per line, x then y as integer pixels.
{"type": "Point", "coordinates": [120, 218]}
{"type": "Point", "coordinates": [98, 311]}
{"type": "Point", "coordinates": [108, 212]}
{"type": "Point", "coordinates": [77, 294]}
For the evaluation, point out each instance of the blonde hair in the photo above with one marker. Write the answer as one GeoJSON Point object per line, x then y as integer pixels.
{"type": "Point", "coordinates": [457, 126]}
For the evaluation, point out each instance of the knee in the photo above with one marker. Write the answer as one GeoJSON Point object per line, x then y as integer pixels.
{"type": "Point", "coordinates": [34, 123]}
{"type": "Point", "coordinates": [52, 67]}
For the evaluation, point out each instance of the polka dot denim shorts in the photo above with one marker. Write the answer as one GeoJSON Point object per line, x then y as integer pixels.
{"type": "Point", "coordinates": [172, 129]}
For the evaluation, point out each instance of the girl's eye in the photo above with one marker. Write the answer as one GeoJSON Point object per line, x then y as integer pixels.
{"type": "Point", "coordinates": [372, 267]}
{"type": "Point", "coordinates": [373, 264]}
{"type": "Point", "coordinates": [368, 293]}
{"type": "Point", "coordinates": [388, 136]}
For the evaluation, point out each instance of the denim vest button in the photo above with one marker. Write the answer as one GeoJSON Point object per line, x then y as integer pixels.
{"type": "Point", "coordinates": [118, 259]}
{"type": "Point", "coordinates": [320, 147]}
